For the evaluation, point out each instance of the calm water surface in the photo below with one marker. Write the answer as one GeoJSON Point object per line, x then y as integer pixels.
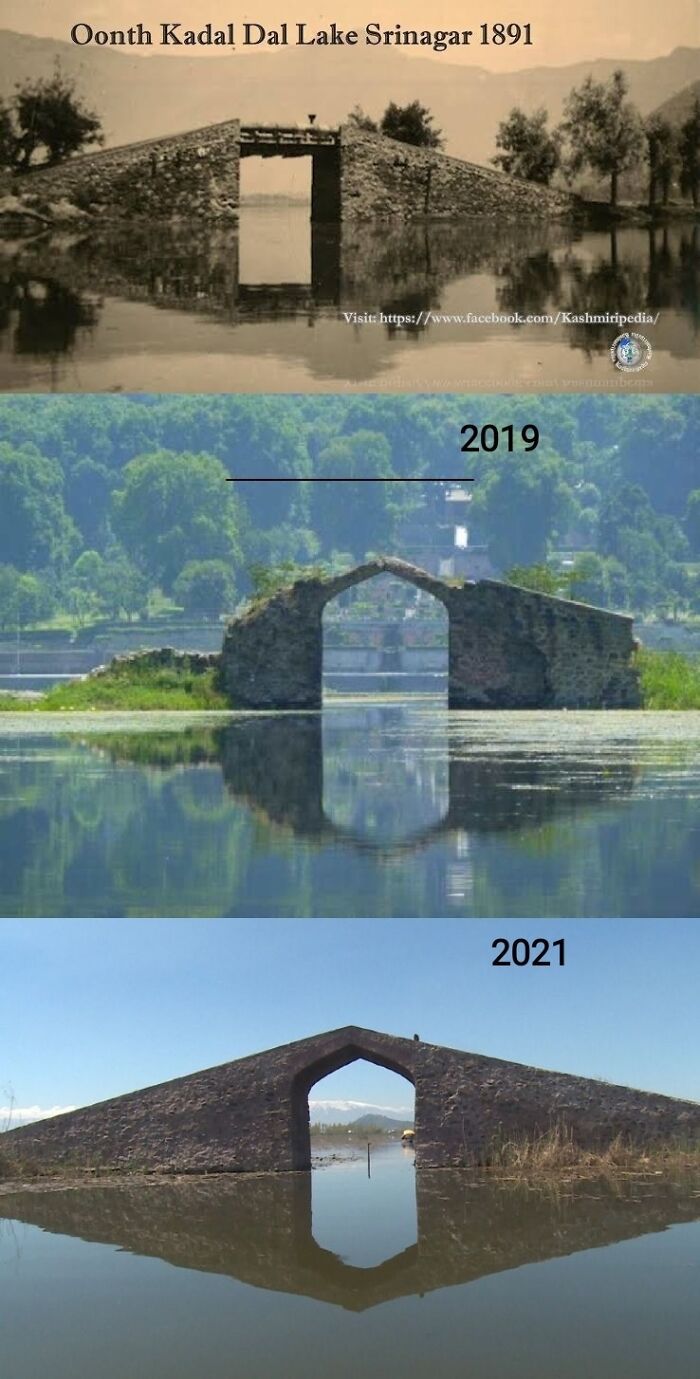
{"type": "Point", "coordinates": [261, 309]}
{"type": "Point", "coordinates": [370, 808]}
{"type": "Point", "coordinates": [300, 1276]}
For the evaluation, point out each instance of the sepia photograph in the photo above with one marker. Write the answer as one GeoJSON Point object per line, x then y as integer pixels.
{"type": "Point", "coordinates": [270, 205]}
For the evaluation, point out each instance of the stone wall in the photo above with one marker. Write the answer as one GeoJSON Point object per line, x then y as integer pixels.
{"type": "Point", "coordinates": [508, 648]}
{"type": "Point", "coordinates": [192, 176]}
{"type": "Point", "coordinates": [384, 178]}
{"type": "Point", "coordinates": [252, 1115]}
{"type": "Point", "coordinates": [196, 176]}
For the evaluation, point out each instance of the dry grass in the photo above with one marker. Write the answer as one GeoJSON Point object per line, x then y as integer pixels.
{"type": "Point", "coordinates": [556, 1151]}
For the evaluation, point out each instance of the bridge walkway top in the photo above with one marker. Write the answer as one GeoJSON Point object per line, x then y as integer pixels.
{"type": "Point", "coordinates": [286, 141]}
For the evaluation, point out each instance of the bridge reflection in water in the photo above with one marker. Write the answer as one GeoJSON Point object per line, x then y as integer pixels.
{"type": "Point", "coordinates": [53, 290]}
{"type": "Point", "coordinates": [328, 776]}
{"type": "Point", "coordinates": [354, 775]}
{"type": "Point", "coordinates": [364, 808]}
{"type": "Point", "coordinates": [258, 1229]}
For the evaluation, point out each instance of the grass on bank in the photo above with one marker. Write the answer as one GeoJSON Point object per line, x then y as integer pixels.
{"type": "Point", "coordinates": [130, 688]}
{"type": "Point", "coordinates": [669, 680]}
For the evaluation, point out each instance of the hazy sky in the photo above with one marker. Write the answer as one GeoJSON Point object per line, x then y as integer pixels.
{"type": "Point", "coordinates": [94, 1008]}
{"type": "Point", "coordinates": [562, 33]}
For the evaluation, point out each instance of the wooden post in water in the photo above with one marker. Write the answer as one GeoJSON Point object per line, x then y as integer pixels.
{"type": "Point", "coordinates": [369, 1165]}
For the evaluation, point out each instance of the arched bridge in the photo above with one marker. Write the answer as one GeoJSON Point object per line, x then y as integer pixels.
{"type": "Point", "coordinates": [356, 175]}
{"type": "Point", "coordinates": [509, 648]}
{"type": "Point", "coordinates": [252, 1115]}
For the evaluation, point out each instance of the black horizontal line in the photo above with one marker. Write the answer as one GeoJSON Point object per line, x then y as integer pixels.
{"type": "Point", "coordinates": [343, 479]}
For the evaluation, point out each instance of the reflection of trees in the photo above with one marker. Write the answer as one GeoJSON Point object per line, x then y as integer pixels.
{"type": "Point", "coordinates": [258, 1229]}
{"type": "Point", "coordinates": [689, 272]}
{"type": "Point", "coordinates": [401, 270]}
{"type": "Point", "coordinates": [611, 285]}
{"type": "Point", "coordinates": [667, 277]}
{"type": "Point", "coordinates": [276, 814]}
{"type": "Point", "coordinates": [530, 285]}
{"type": "Point", "coordinates": [46, 314]}
{"type": "Point", "coordinates": [674, 269]}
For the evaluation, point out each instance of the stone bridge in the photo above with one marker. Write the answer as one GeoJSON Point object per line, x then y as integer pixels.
{"type": "Point", "coordinates": [508, 648]}
{"type": "Point", "coordinates": [252, 1115]}
{"type": "Point", "coordinates": [355, 176]}
{"type": "Point", "coordinates": [259, 1229]}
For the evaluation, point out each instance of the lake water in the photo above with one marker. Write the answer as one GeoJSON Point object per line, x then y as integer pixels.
{"type": "Point", "coordinates": [300, 1276]}
{"type": "Point", "coordinates": [370, 808]}
{"type": "Point", "coordinates": [260, 309]}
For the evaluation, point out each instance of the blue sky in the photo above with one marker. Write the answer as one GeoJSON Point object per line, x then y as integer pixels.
{"type": "Point", "coordinates": [93, 1008]}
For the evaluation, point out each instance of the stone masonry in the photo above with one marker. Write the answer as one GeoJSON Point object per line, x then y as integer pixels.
{"type": "Point", "coordinates": [508, 648]}
{"type": "Point", "coordinates": [384, 179]}
{"type": "Point", "coordinates": [252, 1115]}
{"type": "Point", "coordinates": [356, 176]}
{"type": "Point", "coordinates": [193, 176]}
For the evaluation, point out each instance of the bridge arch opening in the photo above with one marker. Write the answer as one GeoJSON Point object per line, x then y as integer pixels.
{"type": "Point", "coordinates": [274, 225]}
{"type": "Point", "coordinates": [385, 634]}
{"type": "Point", "coordinates": [289, 202]}
{"type": "Point", "coordinates": [363, 1195]}
{"type": "Point", "coordinates": [321, 1068]}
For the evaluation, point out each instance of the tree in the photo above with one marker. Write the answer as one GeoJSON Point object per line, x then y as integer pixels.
{"type": "Point", "coordinates": [174, 508]}
{"type": "Point", "coordinates": [35, 530]}
{"type": "Point", "coordinates": [521, 504]}
{"type": "Point", "coordinates": [206, 587]}
{"type": "Point", "coordinates": [24, 598]}
{"type": "Point", "coordinates": [689, 154]}
{"type": "Point", "coordinates": [268, 579]}
{"type": "Point", "coordinates": [87, 496]}
{"type": "Point", "coordinates": [662, 157]}
{"type": "Point", "coordinates": [604, 131]}
{"type": "Point", "coordinates": [359, 119]}
{"type": "Point", "coordinates": [120, 587]}
{"type": "Point", "coordinates": [692, 521]}
{"type": "Point", "coordinates": [49, 114]}
{"type": "Point", "coordinates": [411, 124]}
{"type": "Point", "coordinates": [358, 516]}
{"type": "Point", "coordinates": [542, 579]}
{"type": "Point", "coordinates": [529, 149]}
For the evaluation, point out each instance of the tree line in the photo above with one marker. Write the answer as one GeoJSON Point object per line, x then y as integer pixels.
{"type": "Point", "coordinates": [119, 507]}
{"type": "Point", "coordinates": [603, 131]}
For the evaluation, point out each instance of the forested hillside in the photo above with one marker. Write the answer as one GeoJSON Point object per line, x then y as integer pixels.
{"type": "Point", "coordinates": [112, 506]}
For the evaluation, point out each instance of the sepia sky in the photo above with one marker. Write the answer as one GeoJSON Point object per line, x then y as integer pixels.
{"type": "Point", "coordinates": [562, 33]}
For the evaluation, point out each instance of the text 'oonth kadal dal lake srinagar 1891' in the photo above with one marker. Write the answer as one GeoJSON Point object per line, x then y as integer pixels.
{"type": "Point", "coordinates": [270, 221]}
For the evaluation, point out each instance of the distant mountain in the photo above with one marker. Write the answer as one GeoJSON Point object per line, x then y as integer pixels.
{"type": "Point", "coordinates": [141, 97]}
{"type": "Point", "coordinates": [370, 1122]}
{"type": "Point", "coordinates": [677, 108]}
